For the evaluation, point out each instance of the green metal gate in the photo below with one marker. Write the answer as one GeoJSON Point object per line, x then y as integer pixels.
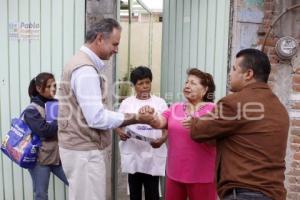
{"type": "Point", "coordinates": [35, 36]}
{"type": "Point", "coordinates": [195, 34]}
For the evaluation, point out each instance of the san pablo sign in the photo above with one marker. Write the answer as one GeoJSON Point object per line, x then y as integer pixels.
{"type": "Point", "coordinates": [24, 30]}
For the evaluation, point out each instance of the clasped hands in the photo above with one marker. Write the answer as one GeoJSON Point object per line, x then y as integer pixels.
{"type": "Point", "coordinates": [146, 114]}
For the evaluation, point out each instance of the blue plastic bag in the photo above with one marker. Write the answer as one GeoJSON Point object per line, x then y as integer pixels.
{"type": "Point", "coordinates": [20, 145]}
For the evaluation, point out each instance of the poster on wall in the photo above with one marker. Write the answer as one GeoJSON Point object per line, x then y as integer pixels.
{"type": "Point", "coordinates": [24, 30]}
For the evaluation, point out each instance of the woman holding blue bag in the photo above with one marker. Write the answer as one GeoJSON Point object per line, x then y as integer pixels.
{"type": "Point", "coordinates": [41, 90]}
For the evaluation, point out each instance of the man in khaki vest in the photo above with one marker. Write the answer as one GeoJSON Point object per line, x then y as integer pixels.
{"type": "Point", "coordinates": [83, 120]}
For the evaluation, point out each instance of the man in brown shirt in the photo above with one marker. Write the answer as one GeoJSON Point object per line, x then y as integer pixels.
{"type": "Point", "coordinates": [250, 127]}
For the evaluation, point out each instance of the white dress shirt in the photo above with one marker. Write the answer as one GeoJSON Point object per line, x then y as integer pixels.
{"type": "Point", "coordinates": [85, 84]}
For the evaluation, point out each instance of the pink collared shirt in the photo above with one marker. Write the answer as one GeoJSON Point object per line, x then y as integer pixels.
{"type": "Point", "coordinates": [188, 161]}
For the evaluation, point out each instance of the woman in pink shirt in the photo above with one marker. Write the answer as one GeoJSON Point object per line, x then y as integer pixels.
{"type": "Point", "coordinates": [190, 165]}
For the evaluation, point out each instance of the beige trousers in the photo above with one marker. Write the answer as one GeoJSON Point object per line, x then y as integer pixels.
{"type": "Point", "coordinates": [86, 173]}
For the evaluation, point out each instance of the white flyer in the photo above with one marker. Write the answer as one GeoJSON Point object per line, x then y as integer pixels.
{"type": "Point", "coordinates": [137, 136]}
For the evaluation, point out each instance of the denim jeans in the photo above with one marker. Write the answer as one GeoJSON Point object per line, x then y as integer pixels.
{"type": "Point", "coordinates": [245, 194]}
{"type": "Point", "coordinates": [40, 176]}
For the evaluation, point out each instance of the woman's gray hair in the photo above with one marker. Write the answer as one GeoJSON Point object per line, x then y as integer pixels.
{"type": "Point", "coordinates": [105, 26]}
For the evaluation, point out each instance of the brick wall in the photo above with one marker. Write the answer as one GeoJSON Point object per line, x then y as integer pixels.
{"type": "Point", "coordinates": [285, 82]}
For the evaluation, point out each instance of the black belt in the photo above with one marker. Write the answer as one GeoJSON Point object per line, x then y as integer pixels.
{"type": "Point", "coordinates": [235, 191]}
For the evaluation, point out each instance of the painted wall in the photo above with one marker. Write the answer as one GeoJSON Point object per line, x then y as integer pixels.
{"type": "Point", "coordinates": [140, 50]}
{"type": "Point", "coordinates": [58, 32]}
{"type": "Point", "coordinates": [247, 18]}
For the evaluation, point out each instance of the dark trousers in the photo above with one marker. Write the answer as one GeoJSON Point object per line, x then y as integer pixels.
{"type": "Point", "coordinates": [245, 194]}
{"type": "Point", "coordinates": [150, 183]}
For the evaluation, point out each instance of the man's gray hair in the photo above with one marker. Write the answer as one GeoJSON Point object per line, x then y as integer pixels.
{"type": "Point", "coordinates": [105, 26]}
